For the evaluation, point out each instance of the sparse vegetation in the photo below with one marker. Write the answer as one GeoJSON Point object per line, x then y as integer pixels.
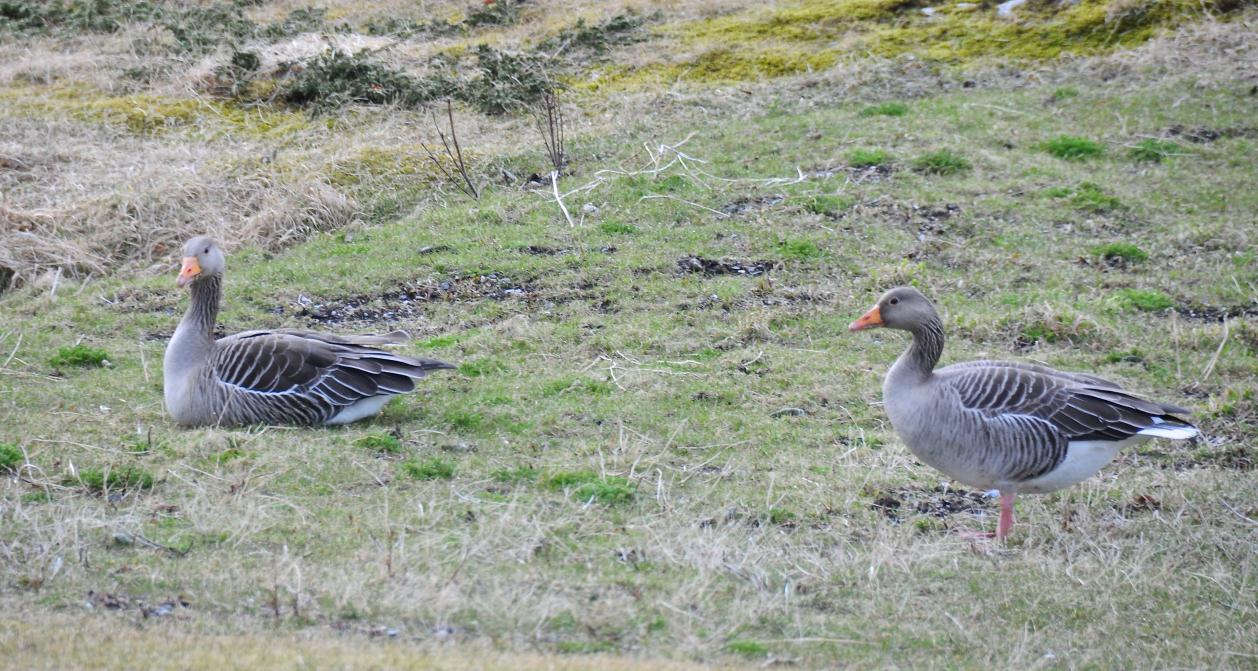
{"type": "Point", "coordinates": [450, 161]}
{"type": "Point", "coordinates": [663, 448]}
{"type": "Point", "coordinates": [829, 206]}
{"type": "Point", "coordinates": [335, 79]}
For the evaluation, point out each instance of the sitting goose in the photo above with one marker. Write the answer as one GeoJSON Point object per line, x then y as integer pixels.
{"type": "Point", "coordinates": [1013, 427]}
{"type": "Point", "coordinates": [273, 377]}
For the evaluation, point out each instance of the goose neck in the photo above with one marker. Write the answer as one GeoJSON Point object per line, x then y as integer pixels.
{"type": "Point", "coordinates": [919, 360]}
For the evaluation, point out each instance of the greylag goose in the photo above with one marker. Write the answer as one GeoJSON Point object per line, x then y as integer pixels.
{"type": "Point", "coordinates": [273, 377]}
{"type": "Point", "coordinates": [1012, 427]}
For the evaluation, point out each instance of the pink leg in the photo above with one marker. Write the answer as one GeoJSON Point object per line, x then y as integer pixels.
{"type": "Point", "coordinates": [1006, 515]}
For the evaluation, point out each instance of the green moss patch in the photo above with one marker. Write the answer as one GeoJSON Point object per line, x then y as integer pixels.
{"type": "Point", "coordinates": [942, 162]}
{"type": "Point", "coordinates": [102, 479]}
{"type": "Point", "coordinates": [589, 486]}
{"type": "Point", "coordinates": [380, 442]}
{"type": "Point", "coordinates": [952, 33]}
{"type": "Point", "coordinates": [1091, 198]}
{"type": "Point", "coordinates": [1123, 252]}
{"type": "Point", "coordinates": [867, 158]}
{"type": "Point", "coordinates": [829, 206]}
{"type": "Point", "coordinates": [148, 114]}
{"type": "Point", "coordinates": [717, 65]}
{"type": "Point", "coordinates": [1073, 148]}
{"type": "Point", "coordinates": [79, 356]}
{"type": "Point", "coordinates": [1150, 300]}
{"type": "Point", "coordinates": [747, 648]}
{"type": "Point", "coordinates": [433, 468]}
{"type": "Point", "coordinates": [886, 109]}
{"type": "Point", "coordinates": [10, 458]}
{"type": "Point", "coordinates": [1152, 150]}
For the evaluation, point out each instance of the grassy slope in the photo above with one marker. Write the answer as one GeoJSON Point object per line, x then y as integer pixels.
{"type": "Point", "coordinates": [751, 533]}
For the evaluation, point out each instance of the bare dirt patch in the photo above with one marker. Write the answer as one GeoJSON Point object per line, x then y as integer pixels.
{"type": "Point", "coordinates": [940, 502]}
{"type": "Point", "coordinates": [751, 203]}
{"type": "Point", "coordinates": [711, 267]}
{"type": "Point", "coordinates": [1206, 135]}
{"type": "Point", "coordinates": [124, 602]}
{"type": "Point", "coordinates": [1216, 313]}
{"type": "Point", "coordinates": [408, 300]}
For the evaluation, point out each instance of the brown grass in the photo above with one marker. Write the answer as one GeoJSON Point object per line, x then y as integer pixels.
{"type": "Point", "coordinates": [113, 641]}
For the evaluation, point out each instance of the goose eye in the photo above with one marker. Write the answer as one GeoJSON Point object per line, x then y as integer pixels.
{"type": "Point", "coordinates": [207, 251]}
{"type": "Point", "coordinates": [893, 301]}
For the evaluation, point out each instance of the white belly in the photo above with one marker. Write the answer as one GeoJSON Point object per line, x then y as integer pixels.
{"type": "Point", "coordinates": [360, 409]}
{"type": "Point", "coordinates": [1083, 459]}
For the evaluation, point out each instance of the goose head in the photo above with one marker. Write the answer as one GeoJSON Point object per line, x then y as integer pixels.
{"type": "Point", "coordinates": [202, 258]}
{"type": "Point", "coordinates": [903, 308]}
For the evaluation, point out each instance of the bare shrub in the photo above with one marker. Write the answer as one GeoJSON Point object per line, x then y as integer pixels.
{"type": "Point", "coordinates": [451, 158]}
{"type": "Point", "coordinates": [548, 118]}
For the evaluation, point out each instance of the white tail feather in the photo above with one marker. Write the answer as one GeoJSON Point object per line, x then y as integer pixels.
{"type": "Point", "coordinates": [1170, 431]}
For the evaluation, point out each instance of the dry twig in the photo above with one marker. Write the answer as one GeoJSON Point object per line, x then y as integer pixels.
{"type": "Point", "coordinates": [453, 153]}
{"type": "Point", "coordinates": [550, 124]}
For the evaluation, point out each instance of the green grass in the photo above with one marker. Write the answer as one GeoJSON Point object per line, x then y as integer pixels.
{"type": "Point", "coordinates": [1122, 251]}
{"type": "Point", "coordinates": [79, 356]}
{"type": "Point", "coordinates": [113, 478]}
{"type": "Point", "coordinates": [1092, 198]}
{"type": "Point", "coordinates": [942, 162]}
{"type": "Point", "coordinates": [1065, 93]}
{"type": "Point", "coordinates": [10, 458]}
{"type": "Point", "coordinates": [865, 158]}
{"type": "Point", "coordinates": [380, 442]}
{"type": "Point", "coordinates": [827, 205]}
{"type": "Point", "coordinates": [433, 468]}
{"type": "Point", "coordinates": [1151, 150]}
{"type": "Point", "coordinates": [617, 228]}
{"type": "Point", "coordinates": [588, 486]}
{"type": "Point", "coordinates": [747, 648]}
{"type": "Point", "coordinates": [800, 249]}
{"type": "Point", "coordinates": [1150, 300]}
{"type": "Point", "coordinates": [1071, 148]}
{"type": "Point", "coordinates": [886, 109]}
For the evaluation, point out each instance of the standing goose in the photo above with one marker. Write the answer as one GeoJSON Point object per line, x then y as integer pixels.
{"type": "Point", "coordinates": [1013, 427]}
{"type": "Point", "coordinates": [273, 377]}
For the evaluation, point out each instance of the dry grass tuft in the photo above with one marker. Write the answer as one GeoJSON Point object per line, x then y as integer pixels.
{"type": "Point", "coordinates": [94, 201]}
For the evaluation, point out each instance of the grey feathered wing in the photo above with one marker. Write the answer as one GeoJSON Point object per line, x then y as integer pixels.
{"type": "Point", "coordinates": [1080, 406]}
{"type": "Point", "coordinates": [1038, 411]}
{"type": "Point", "coordinates": [303, 377]}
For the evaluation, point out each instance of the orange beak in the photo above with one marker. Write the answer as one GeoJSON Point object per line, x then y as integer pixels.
{"type": "Point", "coordinates": [871, 319]}
{"type": "Point", "coordinates": [189, 271]}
